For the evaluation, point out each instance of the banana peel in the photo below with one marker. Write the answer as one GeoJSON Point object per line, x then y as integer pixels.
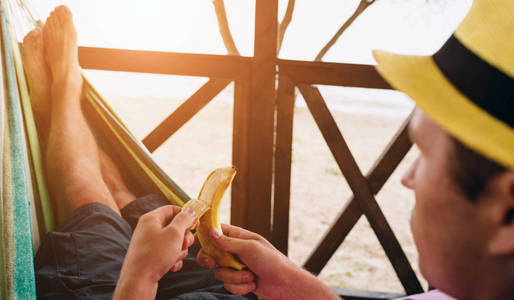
{"type": "Point", "coordinates": [207, 208]}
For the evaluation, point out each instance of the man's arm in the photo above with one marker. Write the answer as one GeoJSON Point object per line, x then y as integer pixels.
{"type": "Point", "coordinates": [303, 285]}
{"type": "Point", "coordinates": [134, 286]}
{"type": "Point", "coordinates": [271, 274]}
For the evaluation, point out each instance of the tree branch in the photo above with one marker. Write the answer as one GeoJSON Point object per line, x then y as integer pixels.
{"type": "Point", "coordinates": [221, 15]}
{"type": "Point", "coordinates": [360, 9]}
{"type": "Point", "coordinates": [285, 22]}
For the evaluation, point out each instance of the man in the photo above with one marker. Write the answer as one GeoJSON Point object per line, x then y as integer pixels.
{"type": "Point", "coordinates": [463, 220]}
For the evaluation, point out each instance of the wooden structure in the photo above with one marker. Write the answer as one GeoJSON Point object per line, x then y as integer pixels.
{"type": "Point", "coordinates": [262, 142]}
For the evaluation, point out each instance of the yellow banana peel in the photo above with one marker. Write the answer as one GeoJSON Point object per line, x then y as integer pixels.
{"type": "Point", "coordinates": [207, 208]}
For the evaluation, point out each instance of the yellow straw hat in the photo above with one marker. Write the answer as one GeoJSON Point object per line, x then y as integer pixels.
{"type": "Point", "coordinates": [467, 87]}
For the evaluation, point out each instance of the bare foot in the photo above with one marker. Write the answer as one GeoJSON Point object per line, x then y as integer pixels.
{"type": "Point", "coordinates": [38, 76]}
{"type": "Point", "coordinates": [60, 40]}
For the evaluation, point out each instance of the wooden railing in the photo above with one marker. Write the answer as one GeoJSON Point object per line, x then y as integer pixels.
{"type": "Point", "coordinates": [262, 144]}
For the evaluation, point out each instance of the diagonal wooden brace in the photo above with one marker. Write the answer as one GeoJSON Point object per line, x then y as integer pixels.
{"type": "Point", "coordinates": [360, 188]}
{"type": "Point", "coordinates": [377, 177]}
{"type": "Point", "coordinates": [184, 113]}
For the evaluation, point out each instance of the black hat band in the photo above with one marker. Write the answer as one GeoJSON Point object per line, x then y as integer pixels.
{"type": "Point", "coordinates": [480, 82]}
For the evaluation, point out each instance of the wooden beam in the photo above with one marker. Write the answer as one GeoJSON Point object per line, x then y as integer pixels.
{"type": "Point", "coordinates": [385, 165]}
{"type": "Point", "coordinates": [360, 188]}
{"type": "Point", "coordinates": [351, 75]}
{"type": "Point", "coordinates": [282, 166]}
{"type": "Point", "coordinates": [219, 66]}
{"type": "Point", "coordinates": [184, 113]}
{"type": "Point", "coordinates": [258, 121]}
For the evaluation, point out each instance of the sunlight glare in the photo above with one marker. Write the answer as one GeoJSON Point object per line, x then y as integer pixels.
{"type": "Point", "coordinates": [162, 25]}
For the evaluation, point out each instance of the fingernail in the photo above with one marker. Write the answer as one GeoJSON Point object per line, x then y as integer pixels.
{"type": "Point", "coordinates": [216, 232]}
{"type": "Point", "coordinates": [190, 211]}
{"type": "Point", "coordinates": [246, 277]}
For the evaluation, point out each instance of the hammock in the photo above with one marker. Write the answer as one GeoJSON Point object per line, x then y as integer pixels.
{"type": "Point", "coordinates": [25, 208]}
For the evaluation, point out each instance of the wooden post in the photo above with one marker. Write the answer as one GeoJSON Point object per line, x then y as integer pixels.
{"type": "Point", "coordinates": [253, 153]}
{"type": "Point", "coordinates": [283, 153]}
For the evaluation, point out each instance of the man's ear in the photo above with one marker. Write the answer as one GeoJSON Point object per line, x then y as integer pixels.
{"type": "Point", "coordinates": [502, 242]}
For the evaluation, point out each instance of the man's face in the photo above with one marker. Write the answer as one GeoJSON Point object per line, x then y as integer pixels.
{"type": "Point", "coordinates": [448, 229]}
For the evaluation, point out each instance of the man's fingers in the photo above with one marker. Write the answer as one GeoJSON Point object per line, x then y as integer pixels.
{"type": "Point", "coordinates": [184, 219]}
{"type": "Point", "coordinates": [240, 289]}
{"type": "Point", "coordinates": [195, 225]}
{"type": "Point", "coordinates": [231, 276]}
{"type": "Point", "coordinates": [205, 260]}
{"type": "Point", "coordinates": [238, 232]}
{"type": "Point", "coordinates": [229, 244]}
{"type": "Point", "coordinates": [183, 255]}
{"type": "Point", "coordinates": [163, 214]}
{"type": "Point", "coordinates": [177, 266]}
{"type": "Point", "coordinates": [188, 240]}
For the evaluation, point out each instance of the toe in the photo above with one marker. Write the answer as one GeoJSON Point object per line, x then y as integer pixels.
{"type": "Point", "coordinates": [53, 18]}
{"type": "Point", "coordinates": [32, 41]}
{"type": "Point", "coordinates": [63, 14]}
{"type": "Point", "coordinates": [64, 10]}
{"type": "Point", "coordinates": [49, 25]}
{"type": "Point", "coordinates": [50, 17]}
{"type": "Point", "coordinates": [32, 36]}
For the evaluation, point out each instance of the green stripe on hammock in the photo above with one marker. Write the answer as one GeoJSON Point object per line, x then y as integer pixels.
{"type": "Point", "coordinates": [24, 283]}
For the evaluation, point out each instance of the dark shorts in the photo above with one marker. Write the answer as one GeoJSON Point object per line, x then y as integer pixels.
{"type": "Point", "coordinates": [82, 259]}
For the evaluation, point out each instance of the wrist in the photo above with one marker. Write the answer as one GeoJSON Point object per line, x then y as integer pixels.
{"type": "Point", "coordinates": [301, 284]}
{"type": "Point", "coordinates": [135, 285]}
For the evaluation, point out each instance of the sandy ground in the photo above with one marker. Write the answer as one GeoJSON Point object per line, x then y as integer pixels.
{"type": "Point", "coordinates": [318, 189]}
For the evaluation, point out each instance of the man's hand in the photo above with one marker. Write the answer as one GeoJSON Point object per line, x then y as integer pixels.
{"type": "Point", "coordinates": [158, 245]}
{"type": "Point", "coordinates": [271, 274]}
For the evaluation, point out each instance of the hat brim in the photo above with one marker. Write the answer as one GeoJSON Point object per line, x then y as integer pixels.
{"type": "Point", "coordinates": [420, 78]}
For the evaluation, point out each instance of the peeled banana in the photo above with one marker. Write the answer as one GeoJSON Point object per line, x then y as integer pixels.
{"type": "Point", "coordinates": [207, 208]}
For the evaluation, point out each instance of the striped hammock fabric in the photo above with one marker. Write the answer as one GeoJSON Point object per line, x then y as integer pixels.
{"type": "Point", "coordinates": [25, 207]}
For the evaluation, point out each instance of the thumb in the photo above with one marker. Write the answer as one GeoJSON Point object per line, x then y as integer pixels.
{"type": "Point", "coordinates": [226, 243]}
{"type": "Point", "coordinates": [184, 219]}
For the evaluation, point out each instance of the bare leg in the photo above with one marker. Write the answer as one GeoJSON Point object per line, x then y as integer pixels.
{"type": "Point", "coordinates": [112, 177]}
{"type": "Point", "coordinates": [39, 80]}
{"type": "Point", "coordinates": [73, 161]}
